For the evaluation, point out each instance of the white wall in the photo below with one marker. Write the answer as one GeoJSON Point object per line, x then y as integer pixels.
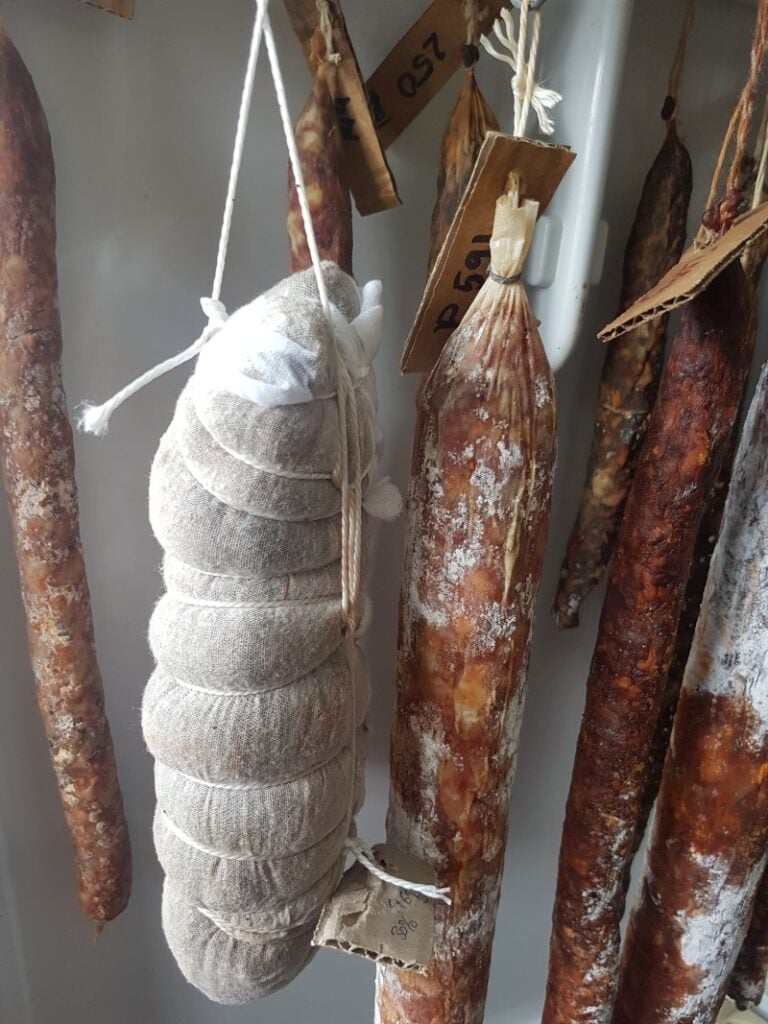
{"type": "Point", "coordinates": [142, 116]}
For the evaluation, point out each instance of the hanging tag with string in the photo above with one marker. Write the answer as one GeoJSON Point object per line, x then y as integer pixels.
{"type": "Point", "coordinates": [461, 265]}
{"type": "Point", "coordinates": [728, 225]}
{"type": "Point", "coordinates": [367, 172]}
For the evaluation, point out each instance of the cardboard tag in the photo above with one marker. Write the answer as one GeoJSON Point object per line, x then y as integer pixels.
{"type": "Point", "coordinates": [381, 922]}
{"type": "Point", "coordinates": [123, 8]}
{"type": "Point", "coordinates": [462, 265]}
{"type": "Point", "coordinates": [370, 179]}
{"type": "Point", "coordinates": [691, 274]}
{"type": "Point", "coordinates": [420, 64]}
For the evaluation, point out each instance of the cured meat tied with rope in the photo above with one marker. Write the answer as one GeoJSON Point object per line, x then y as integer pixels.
{"type": "Point", "coordinates": [630, 378]}
{"type": "Point", "coordinates": [687, 440]}
{"type": "Point", "coordinates": [38, 463]}
{"type": "Point", "coordinates": [477, 520]}
{"type": "Point", "coordinates": [710, 837]}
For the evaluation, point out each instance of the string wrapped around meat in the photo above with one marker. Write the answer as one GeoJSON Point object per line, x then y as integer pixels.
{"type": "Point", "coordinates": [478, 516]}
{"type": "Point", "coordinates": [38, 463]}
{"type": "Point", "coordinates": [687, 440]}
{"type": "Point", "coordinates": [629, 380]}
{"type": "Point", "coordinates": [710, 837]}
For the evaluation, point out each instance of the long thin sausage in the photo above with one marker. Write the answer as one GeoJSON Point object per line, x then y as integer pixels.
{"type": "Point", "coordinates": [752, 261]}
{"type": "Point", "coordinates": [630, 378]}
{"type": "Point", "coordinates": [38, 468]}
{"type": "Point", "coordinates": [687, 439]}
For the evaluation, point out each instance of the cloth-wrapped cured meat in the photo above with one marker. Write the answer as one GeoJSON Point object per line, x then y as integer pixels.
{"type": "Point", "coordinates": [478, 515]}
{"type": "Point", "coordinates": [38, 463]}
{"type": "Point", "coordinates": [686, 443]}
{"type": "Point", "coordinates": [710, 836]}
{"type": "Point", "coordinates": [255, 712]}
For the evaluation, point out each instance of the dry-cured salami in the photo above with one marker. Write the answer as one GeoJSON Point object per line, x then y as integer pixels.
{"type": "Point", "coordinates": [478, 515]}
{"type": "Point", "coordinates": [686, 442]}
{"type": "Point", "coordinates": [38, 468]}
{"type": "Point", "coordinates": [322, 164]}
{"type": "Point", "coordinates": [629, 379]}
{"type": "Point", "coordinates": [752, 261]}
{"type": "Point", "coordinates": [710, 837]}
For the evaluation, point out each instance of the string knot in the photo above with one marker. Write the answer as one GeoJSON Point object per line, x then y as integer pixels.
{"type": "Point", "coordinates": [470, 55]}
{"type": "Point", "coordinates": [364, 855]}
{"type": "Point", "coordinates": [215, 311]}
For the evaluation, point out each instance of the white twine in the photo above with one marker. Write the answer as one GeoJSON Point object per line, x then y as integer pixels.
{"type": "Point", "coordinates": [94, 419]}
{"type": "Point", "coordinates": [526, 91]}
{"type": "Point", "coordinates": [365, 856]}
{"type": "Point", "coordinates": [349, 465]}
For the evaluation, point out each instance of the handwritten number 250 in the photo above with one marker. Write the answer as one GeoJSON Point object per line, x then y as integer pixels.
{"type": "Point", "coordinates": [408, 84]}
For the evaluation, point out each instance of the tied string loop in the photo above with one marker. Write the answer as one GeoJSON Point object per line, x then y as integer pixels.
{"type": "Point", "coordinates": [500, 279]}
{"type": "Point", "coordinates": [94, 419]}
{"type": "Point", "coordinates": [526, 91]}
{"type": "Point", "coordinates": [669, 110]}
{"type": "Point", "coordinates": [365, 856]}
{"type": "Point", "coordinates": [718, 216]}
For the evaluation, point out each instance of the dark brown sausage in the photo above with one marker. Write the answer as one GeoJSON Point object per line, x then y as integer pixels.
{"type": "Point", "coordinates": [322, 164]}
{"type": "Point", "coordinates": [38, 468]}
{"type": "Point", "coordinates": [629, 379]}
{"type": "Point", "coordinates": [752, 261]}
{"type": "Point", "coordinates": [686, 442]}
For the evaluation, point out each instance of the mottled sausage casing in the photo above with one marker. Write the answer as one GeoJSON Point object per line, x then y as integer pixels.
{"type": "Point", "coordinates": [470, 119]}
{"type": "Point", "coordinates": [687, 438]}
{"type": "Point", "coordinates": [747, 982]}
{"type": "Point", "coordinates": [629, 379]}
{"type": "Point", "coordinates": [322, 164]}
{"type": "Point", "coordinates": [38, 464]}
{"type": "Point", "coordinates": [478, 516]}
{"type": "Point", "coordinates": [710, 836]}
{"type": "Point", "coordinates": [752, 262]}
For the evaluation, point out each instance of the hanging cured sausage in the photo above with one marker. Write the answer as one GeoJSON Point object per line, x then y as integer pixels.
{"type": "Point", "coordinates": [478, 513]}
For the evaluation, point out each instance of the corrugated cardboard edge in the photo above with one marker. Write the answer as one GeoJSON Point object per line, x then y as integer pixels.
{"type": "Point", "coordinates": [122, 8]}
{"type": "Point", "coordinates": [543, 167]}
{"type": "Point", "coordinates": [370, 177]}
{"type": "Point", "coordinates": [691, 274]}
{"type": "Point", "coordinates": [443, 19]}
{"type": "Point", "coordinates": [376, 958]}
